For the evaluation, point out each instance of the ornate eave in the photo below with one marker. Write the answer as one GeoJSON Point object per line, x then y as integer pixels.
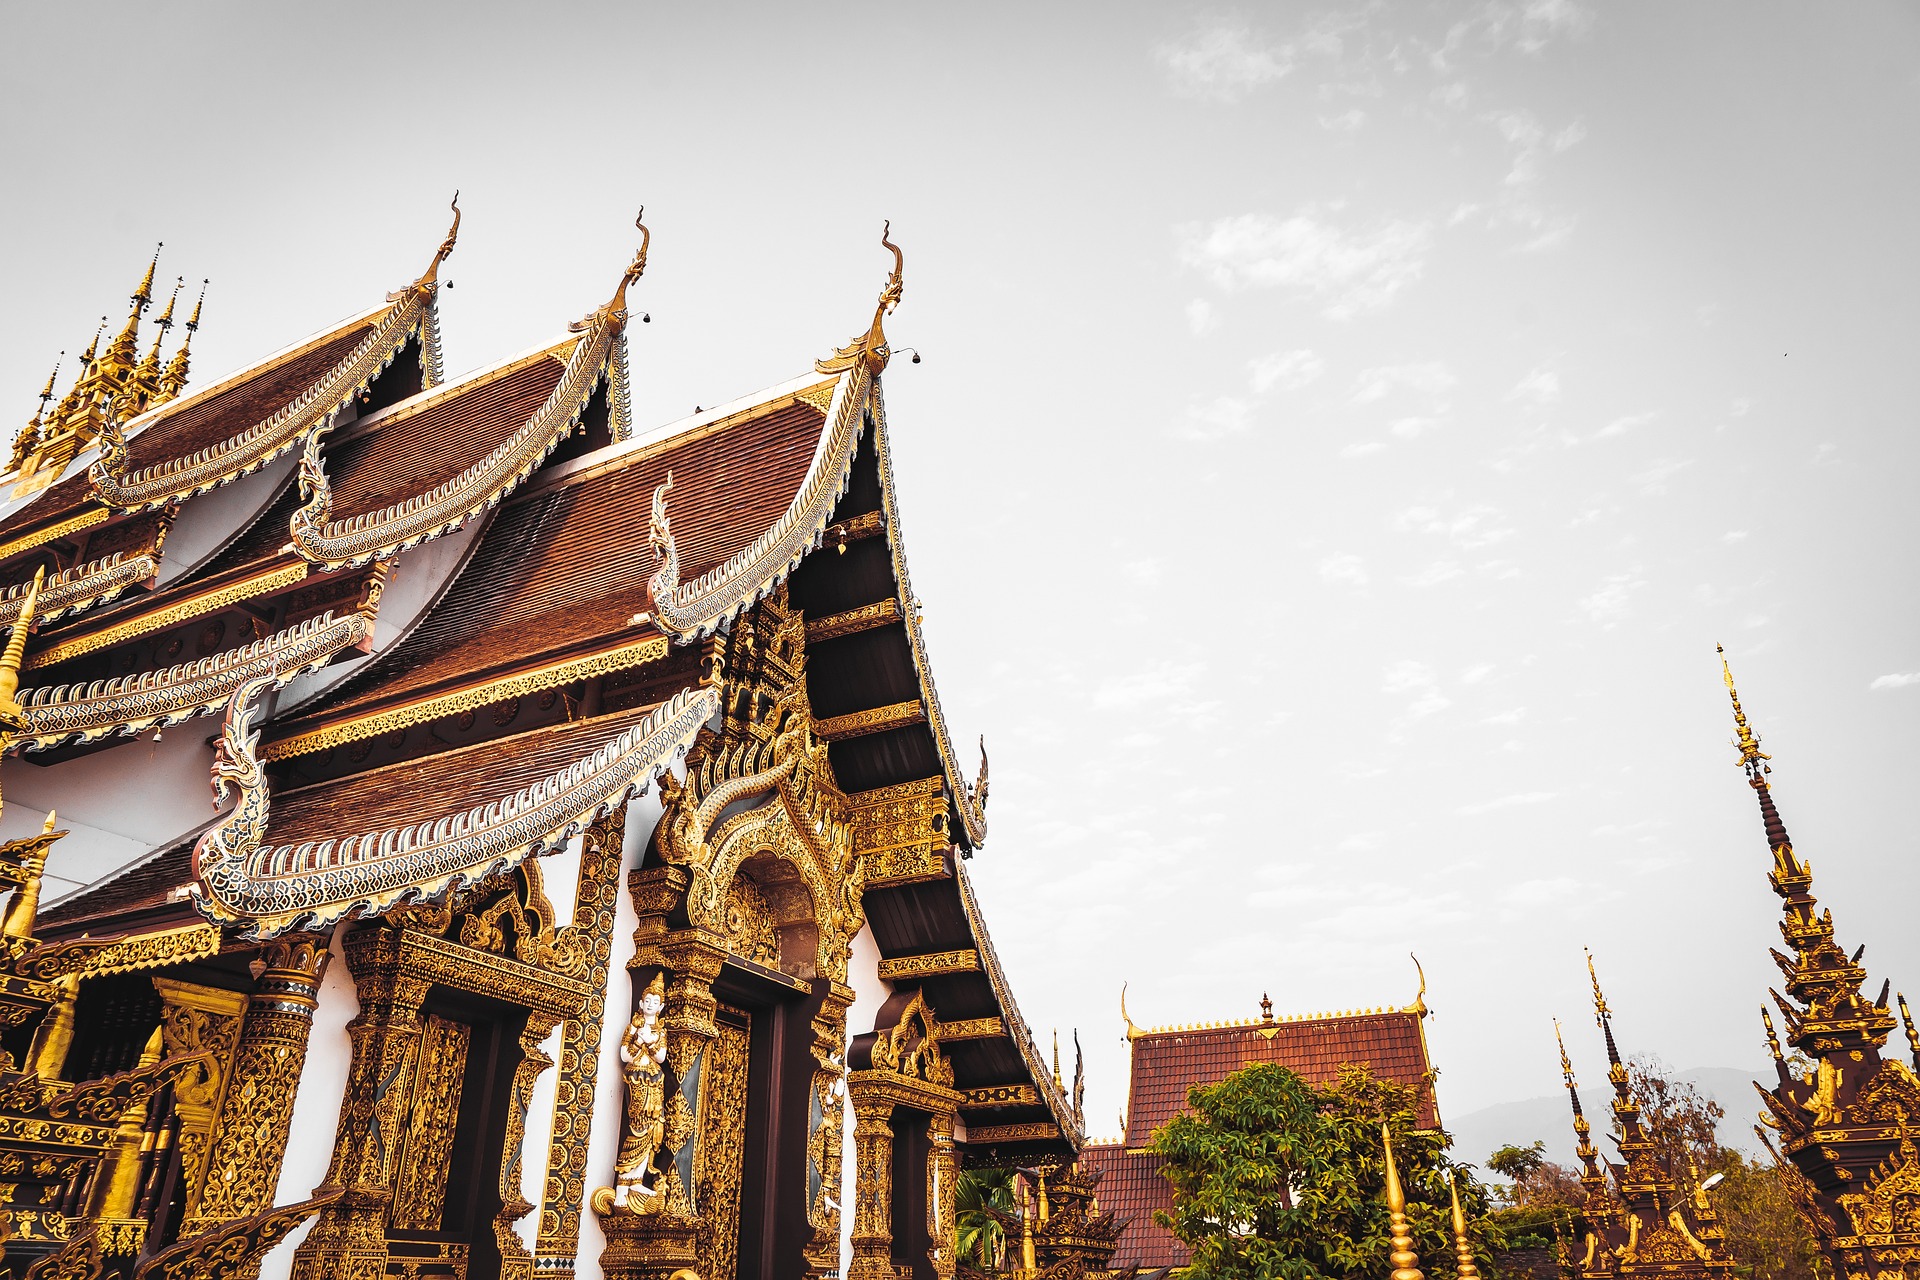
{"type": "Point", "coordinates": [969, 799]}
{"type": "Point", "coordinates": [264, 889]}
{"type": "Point", "coordinates": [75, 590]}
{"type": "Point", "coordinates": [62, 715]}
{"type": "Point", "coordinates": [690, 611]}
{"type": "Point", "coordinates": [1070, 1123]}
{"type": "Point", "coordinates": [381, 534]}
{"type": "Point", "coordinates": [410, 316]}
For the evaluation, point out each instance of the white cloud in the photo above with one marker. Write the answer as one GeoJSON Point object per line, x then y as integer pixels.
{"type": "Point", "coordinates": [1476, 673]}
{"type": "Point", "coordinates": [1288, 370]}
{"type": "Point", "coordinates": [1409, 428]}
{"type": "Point", "coordinates": [1451, 95]}
{"type": "Point", "coordinates": [1435, 574]}
{"type": "Point", "coordinates": [1428, 377]}
{"type": "Point", "coordinates": [1469, 528]}
{"type": "Point", "coordinates": [1542, 386]}
{"type": "Point", "coordinates": [1215, 419]}
{"type": "Point", "coordinates": [1145, 573]}
{"type": "Point", "coordinates": [1362, 449]}
{"type": "Point", "coordinates": [1347, 569]}
{"type": "Point", "coordinates": [1201, 318]}
{"type": "Point", "coordinates": [1349, 271]}
{"type": "Point", "coordinates": [1654, 480]}
{"type": "Point", "coordinates": [1898, 680]}
{"type": "Point", "coordinates": [1620, 426]}
{"type": "Point", "coordinates": [1611, 600]}
{"type": "Point", "coordinates": [1514, 716]}
{"type": "Point", "coordinates": [1224, 61]}
{"type": "Point", "coordinates": [1732, 536]}
{"type": "Point", "coordinates": [1165, 682]}
{"type": "Point", "coordinates": [1541, 893]}
{"type": "Point", "coordinates": [1507, 802]}
{"type": "Point", "coordinates": [1346, 122]}
{"type": "Point", "coordinates": [1416, 678]}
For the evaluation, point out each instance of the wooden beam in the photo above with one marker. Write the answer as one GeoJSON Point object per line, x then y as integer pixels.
{"type": "Point", "coordinates": [1000, 1095]}
{"type": "Point", "coordinates": [858, 724]}
{"type": "Point", "coordinates": [1041, 1132]}
{"type": "Point", "coordinates": [972, 1029]}
{"type": "Point", "coordinates": [867, 617]}
{"type": "Point", "coordinates": [939, 963]}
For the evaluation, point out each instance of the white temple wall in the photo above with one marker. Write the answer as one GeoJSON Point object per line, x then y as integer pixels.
{"type": "Point", "coordinates": [316, 1106]}
{"type": "Point", "coordinates": [212, 520]}
{"type": "Point", "coordinates": [609, 1094]}
{"type": "Point", "coordinates": [119, 803]}
{"type": "Point", "coordinates": [870, 991]}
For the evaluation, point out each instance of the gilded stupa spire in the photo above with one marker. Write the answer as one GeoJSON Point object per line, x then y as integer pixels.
{"type": "Point", "coordinates": [145, 380]}
{"type": "Point", "coordinates": [1582, 1128]}
{"type": "Point", "coordinates": [175, 377]}
{"type": "Point", "coordinates": [117, 363]}
{"type": "Point", "coordinates": [1831, 1016]}
{"type": "Point", "coordinates": [1406, 1263]}
{"type": "Point", "coordinates": [1464, 1267]}
{"type": "Point", "coordinates": [31, 435]}
{"type": "Point", "coordinates": [1625, 1109]}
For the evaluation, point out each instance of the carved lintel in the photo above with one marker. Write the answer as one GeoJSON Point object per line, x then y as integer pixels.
{"type": "Point", "coordinates": [981, 1135]}
{"type": "Point", "coordinates": [881, 613]}
{"type": "Point", "coordinates": [933, 965]}
{"type": "Point", "coordinates": [858, 724]}
{"type": "Point", "coordinates": [973, 1029]}
{"type": "Point", "coordinates": [1000, 1095]}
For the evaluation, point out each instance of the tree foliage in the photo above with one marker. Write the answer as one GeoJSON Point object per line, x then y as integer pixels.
{"type": "Point", "coordinates": [1276, 1180]}
{"type": "Point", "coordinates": [981, 1200]}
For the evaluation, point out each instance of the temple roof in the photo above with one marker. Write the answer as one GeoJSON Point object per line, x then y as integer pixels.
{"type": "Point", "coordinates": [1167, 1061]}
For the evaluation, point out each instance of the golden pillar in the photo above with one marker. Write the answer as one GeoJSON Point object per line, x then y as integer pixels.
{"type": "Point", "coordinates": [199, 1019]}
{"type": "Point", "coordinates": [825, 1141]}
{"type": "Point", "coordinates": [872, 1185]}
{"type": "Point", "coordinates": [943, 1174]}
{"type": "Point", "coordinates": [516, 1262]}
{"type": "Point", "coordinates": [250, 1137]}
{"type": "Point", "coordinates": [349, 1241]}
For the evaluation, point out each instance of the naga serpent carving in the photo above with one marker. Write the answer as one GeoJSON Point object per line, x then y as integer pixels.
{"type": "Point", "coordinates": [314, 409]}
{"type": "Point", "coordinates": [264, 890]}
{"type": "Point", "coordinates": [384, 533]}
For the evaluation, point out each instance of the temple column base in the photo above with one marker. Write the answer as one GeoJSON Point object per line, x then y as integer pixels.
{"type": "Point", "coordinates": [652, 1246]}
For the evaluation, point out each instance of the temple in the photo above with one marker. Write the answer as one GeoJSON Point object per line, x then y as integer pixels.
{"type": "Point", "coordinates": [1844, 1116]}
{"type": "Point", "coordinates": [585, 891]}
{"type": "Point", "coordinates": [1643, 1217]}
{"type": "Point", "coordinates": [1164, 1062]}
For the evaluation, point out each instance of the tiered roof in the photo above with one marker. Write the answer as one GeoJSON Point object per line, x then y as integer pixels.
{"type": "Point", "coordinates": [555, 670]}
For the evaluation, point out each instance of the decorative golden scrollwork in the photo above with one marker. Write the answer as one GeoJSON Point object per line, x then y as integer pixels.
{"type": "Point", "coordinates": [911, 1047]}
{"type": "Point", "coordinates": [233, 1251]}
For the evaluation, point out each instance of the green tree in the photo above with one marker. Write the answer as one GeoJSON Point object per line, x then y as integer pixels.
{"type": "Point", "coordinates": [982, 1198]}
{"type": "Point", "coordinates": [1275, 1180]}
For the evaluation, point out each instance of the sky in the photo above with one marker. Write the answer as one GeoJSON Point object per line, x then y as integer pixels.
{"type": "Point", "coordinates": [1342, 433]}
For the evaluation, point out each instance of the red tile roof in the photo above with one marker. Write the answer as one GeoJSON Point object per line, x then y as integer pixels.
{"type": "Point", "coordinates": [1167, 1063]}
{"type": "Point", "coordinates": [1131, 1188]}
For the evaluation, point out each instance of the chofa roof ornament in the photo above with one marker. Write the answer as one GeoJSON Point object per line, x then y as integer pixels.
{"type": "Point", "coordinates": [870, 349]}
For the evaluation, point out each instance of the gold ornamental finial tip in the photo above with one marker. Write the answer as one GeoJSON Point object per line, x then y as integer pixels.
{"type": "Point", "coordinates": [1600, 1009]}
{"type": "Point", "coordinates": [635, 269]}
{"type": "Point", "coordinates": [446, 246]}
{"type": "Point", "coordinates": [53, 816]}
{"type": "Point", "coordinates": [144, 293]}
{"type": "Point", "coordinates": [193, 323]}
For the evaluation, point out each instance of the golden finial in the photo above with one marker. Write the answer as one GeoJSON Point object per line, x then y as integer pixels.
{"type": "Point", "coordinates": [1600, 1009]}
{"type": "Point", "coordinates": [46, 392]}
{"type": "Point", "coordinates": [1419, 1006]}
{"type": "Point", "coordinates": [143, 295]}
{"type": "Point", "coordinates": [1026, 1235]}
{"type": "Point", "coordinates": [193, 321]}
{"type": "Point", "coordinates": [871, 348]}
{"type": "Point", "coordinates": [432, 274]}
{"type": "Point", "coordinates": [1058, 1083]}
{"type": "Point", "coordinates": [1406, 1263]}
{"type": "Point", "coordinates": [16, 651]}
{"type": "Point", "coordinates": [1913, 1038]}
{"type": "Point", "coordinates": [1566, 1063]}
{"type": "Point", "coordinates": [1773, 1040]}
{"type": "Point", "coordinates": [86, 357]}
{"type": "Point", "coordinates": [1464, 1269]}
{"type": "Point", "coordinates": [1750, 754]}
{"type": "Point", "coordinates": [175, 378]}
{"type": "Point", "coordinates": [635, 269]}
{"type": "Point", "coordinates": [164, 321]}
{"type": "Point", "coordinates": [1133, 1032]}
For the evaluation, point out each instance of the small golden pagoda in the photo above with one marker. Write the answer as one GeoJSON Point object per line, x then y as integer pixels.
{"type": "Point", "coordinates": [1641, 1223]}
{"type": "Point", "coordinates": [1845, 1120]}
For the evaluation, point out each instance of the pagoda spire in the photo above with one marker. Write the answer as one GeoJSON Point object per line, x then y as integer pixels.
{"type": "Point", "coordinates": [1626, 1111]}
{"type": "Point", "coordinates": [1827, 1013]}
{"type": "Point", "coordinates": [145, 379]}
{"type": "Point", "coordinates": [1464, 1267]}
{"type": "Point", "coordinates": [117, 363]}
{"type": "Point", "coordinates": [1591, 1178]}
{"type": "Point", "coordinates": [31, 435]}
{"type": "Point", "coordinates": [175, 377]}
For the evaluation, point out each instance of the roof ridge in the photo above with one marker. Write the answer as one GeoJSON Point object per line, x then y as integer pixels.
{"type": "Point", "coordinates": [1239, 1024]}
{"type": "Point", "coordinates": [427, 397]}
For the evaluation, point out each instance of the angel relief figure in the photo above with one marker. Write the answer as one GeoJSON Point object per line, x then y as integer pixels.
{"type": "Point", "coordinates": [643, 1056]}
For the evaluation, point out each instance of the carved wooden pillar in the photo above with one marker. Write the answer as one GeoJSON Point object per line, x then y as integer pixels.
{"type": "Point", "coordinates": [599, 890]}
{"type": "Point", "coordinates": [827, 1116]}
{"type": "Point", "coordinates": [873, 1184]}
{"type": "Point", "coordinates": [199, 1019]}
{"type": "Point", "coordinates": [516, 1262]}
{"type": "Point", "coordinates": [349, 1242]}
{"type": "Point", "coordinates": [250, 1137]}
{"type": "Point", "coordinates": [943, 1172]}
{"type": "Point", "coordinates": [692, 958]}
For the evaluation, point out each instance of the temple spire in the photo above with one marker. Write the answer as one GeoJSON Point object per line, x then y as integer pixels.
{"type": "Point", "coordinates": [1832, 1016]}
{"type": "Point", "coordinates": [1582, 1129]}
{"type": "Point", "coordinates": [175, 378]}
{"type": "Point", "coordinates": [1624, 1107]}
{"type": "Point", "coordinates": [1464, 1268]}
